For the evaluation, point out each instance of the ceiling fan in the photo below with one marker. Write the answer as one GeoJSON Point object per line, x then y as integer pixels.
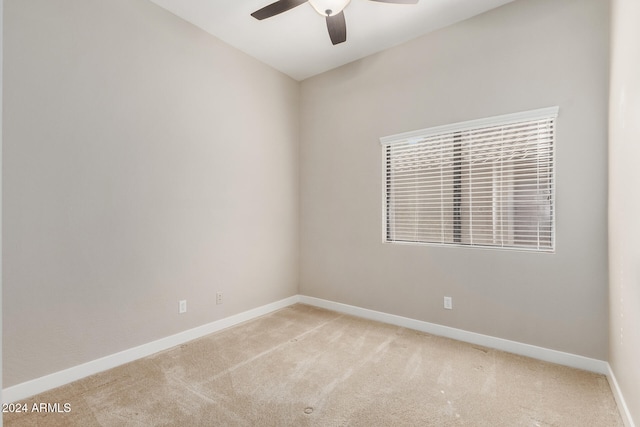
{"type": "Point", "coordinates": [332, 10]}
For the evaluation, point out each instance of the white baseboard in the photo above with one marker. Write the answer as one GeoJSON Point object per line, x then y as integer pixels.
{"type": "Point", "coordinates": [554, 356]}
{"type": "Point", "coordinates": [57, 379]}
{"type": "Point", "coordinates": [617, 394]}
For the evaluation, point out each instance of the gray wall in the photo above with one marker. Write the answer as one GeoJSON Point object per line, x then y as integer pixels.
{"type": "Point", "coordinates": [1, 103]}
{"type": "Point", "coordinates": [525, 55]}
{"type": "Point", "coordinates": [624, 202]}
{"type": "Point", "coordinates": [144, 162]}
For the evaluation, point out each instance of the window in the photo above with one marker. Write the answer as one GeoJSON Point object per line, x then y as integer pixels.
{"type": "Point", "coordinates": [486, 183]}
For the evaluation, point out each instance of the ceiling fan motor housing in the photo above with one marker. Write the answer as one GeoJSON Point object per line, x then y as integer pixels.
{"type": "Point", "coordinates": [329, 7]}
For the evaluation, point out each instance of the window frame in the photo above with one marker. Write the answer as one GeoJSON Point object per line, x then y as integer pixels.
{"type": "Point", "coordinates": [550, 113]}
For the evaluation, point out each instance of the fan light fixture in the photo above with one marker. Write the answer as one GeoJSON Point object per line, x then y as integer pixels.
{"type": "Point", "coordinates": [329, 7]}
{"type": "Point", "coordinates": [331, 10]}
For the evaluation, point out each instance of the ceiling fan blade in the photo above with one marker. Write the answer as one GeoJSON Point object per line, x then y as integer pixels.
{"type": "Point", "coordinates": [276, 8]}
{"type": "Point", "coordinates": [398, 1]}
{"type": "Point", "coordinates": [337, 27]}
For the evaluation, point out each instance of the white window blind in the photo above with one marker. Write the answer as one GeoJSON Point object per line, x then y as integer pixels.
{"type": "Point", "coordinates": [487, 183]}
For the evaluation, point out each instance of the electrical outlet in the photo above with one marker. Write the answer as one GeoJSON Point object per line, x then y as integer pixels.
{"type": "Point", "coordinates": [219, 297]}
{"type": "Point", "coordinates": [448, 303]}
{"type": "Point", "coordinates": [182, 307]}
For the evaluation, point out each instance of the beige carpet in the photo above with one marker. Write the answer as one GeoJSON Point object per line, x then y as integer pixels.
{"type": "Point", "coordinates": [303, 366]}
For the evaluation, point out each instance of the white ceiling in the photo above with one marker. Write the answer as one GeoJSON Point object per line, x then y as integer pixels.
{"type": "Point", "coordinates": [296, 42]}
